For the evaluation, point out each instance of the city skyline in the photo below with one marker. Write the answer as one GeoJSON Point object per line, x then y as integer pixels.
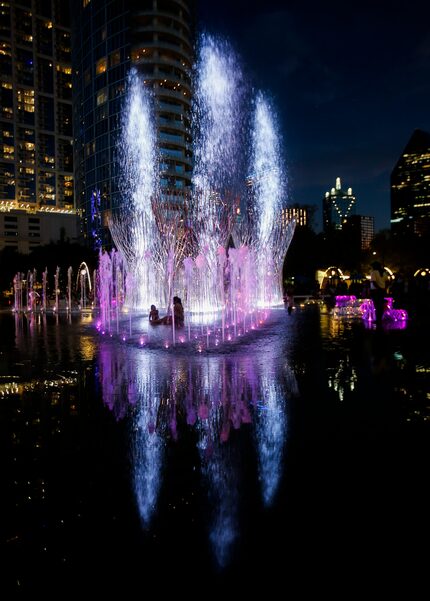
{"type": "Point", "coordinates": [349, 88]}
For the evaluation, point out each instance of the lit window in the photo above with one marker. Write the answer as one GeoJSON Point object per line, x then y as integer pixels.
{"type": "Point", "coordinates": [101, 66]}
{"type": "Point", "coordinates": [102, 96]}
{"type": "Point", "coordinates": [65, 70]}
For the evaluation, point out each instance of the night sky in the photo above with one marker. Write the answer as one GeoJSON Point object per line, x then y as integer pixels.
{"type": "Point", "coordinates": [350, 84]}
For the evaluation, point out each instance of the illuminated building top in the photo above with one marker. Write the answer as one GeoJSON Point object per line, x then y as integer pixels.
{"type": "Point", "coordinates": [338, 205]}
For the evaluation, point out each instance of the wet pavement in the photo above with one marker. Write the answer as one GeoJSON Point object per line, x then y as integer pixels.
{"type": "Point", "coordinates": [295, 456]}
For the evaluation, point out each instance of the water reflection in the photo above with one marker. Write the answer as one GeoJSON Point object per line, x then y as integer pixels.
{"type": "Point", "coordinates": [52, 338]}
{"type": "Point", "coordinates": [343, 378]}
{"type": "Point", "coordinates": [220, 473]}
{"type": "Point", "coordinates": [271, 426]}
{"type": "Point", "coordinates": [167, 395]}
{"type": "Point", "coordinates": [202, 428]}
{"type": "Point", "coordinates": [148, 454]}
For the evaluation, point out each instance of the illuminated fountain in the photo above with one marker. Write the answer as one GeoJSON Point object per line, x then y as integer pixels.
{"type": "Point", "coordinates": [171, 245]}
{"type": "Point", "coordinates": [220, 247]}
{"type": "Point", "coordinates": [351, 306]}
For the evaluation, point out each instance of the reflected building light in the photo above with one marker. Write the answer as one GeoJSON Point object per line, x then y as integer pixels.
{"type": "Point", "coordinates": [19, 387]}
{"type": "Point", "coordinates": [344, 379]}
{"type": "Point", "coordinates": [87, 347]}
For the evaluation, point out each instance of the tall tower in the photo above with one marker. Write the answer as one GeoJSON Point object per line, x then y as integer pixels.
{"type": "Point", "coordinates": [36, 158]}
{"type": "Point", "coordinates": [156, 36]}
{"type": "Point", "coordinates": [410, 187]}
{"type": "Point", "coordinates": [338, 205]}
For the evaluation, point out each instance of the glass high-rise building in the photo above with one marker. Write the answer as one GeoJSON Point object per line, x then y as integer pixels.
{"type": "Point", "coordinates": [36, 153]}
{"type": "Point", "coordinates": [410, 187]}
{"type": "Point", "coordinates": [109, 37]}
{"type": "Point", "coordinates": [338, 205]}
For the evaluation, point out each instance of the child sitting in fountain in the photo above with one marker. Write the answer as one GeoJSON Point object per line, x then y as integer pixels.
{"type": "Point", "coordinates": [154, 315]}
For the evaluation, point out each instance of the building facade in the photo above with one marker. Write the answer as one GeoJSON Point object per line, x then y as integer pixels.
{"type": "Point", "coordinates": [338, 205]}
{"type": "Point", "coordinates": [109, 37]}
{"type": "Point", "coordinates": [410, 187]}
{"type": "Point", "coordinates": [26, 230]}
{"type": "Point", "coordinates": [300, 213]}
{"type": "Point", "coordinates": [360, 229]}
{"type": "Point", "coordinates": [36, 153]}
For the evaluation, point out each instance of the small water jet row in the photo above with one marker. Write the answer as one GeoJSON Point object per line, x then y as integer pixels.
{"type": "Point", "coordinates": [33, 296]}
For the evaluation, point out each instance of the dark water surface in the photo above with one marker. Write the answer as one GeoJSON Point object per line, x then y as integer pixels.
{"type": "Point", "coordinates": [298, 457]}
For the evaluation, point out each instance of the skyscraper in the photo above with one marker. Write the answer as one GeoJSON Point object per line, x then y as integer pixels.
{"type": "Point", "coordinates": [337, 206]}
{"type": "Point", "coordinates": [36, 162]}
{"type": "Point", "coordinates": [109, 37]}
{"type": "Point", "coordinates": [410, 187]}
{"type": "Point", "coordinates": [360, 229]}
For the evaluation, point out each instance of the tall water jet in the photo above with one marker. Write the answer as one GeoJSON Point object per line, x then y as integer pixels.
{"type": "Point", "coordinates": [133, 231]}
{"type": "Point", "coordinates": [217, 172]}
{"type": "Point", "coordinates": [268, 198]}
{"type": "Point", "coordinates": [217, 118]}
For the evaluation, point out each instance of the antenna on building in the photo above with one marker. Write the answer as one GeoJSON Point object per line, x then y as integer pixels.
{"type": "Point", "coordinates": [338, 183]}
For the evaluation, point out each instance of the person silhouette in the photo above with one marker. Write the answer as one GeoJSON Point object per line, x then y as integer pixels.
{"type": "Point", "coordinates": [378, 284]}
{"type": "Point", "coordinates": [153, 314]}
{"type": "Point", "coordinates": [178, 312]}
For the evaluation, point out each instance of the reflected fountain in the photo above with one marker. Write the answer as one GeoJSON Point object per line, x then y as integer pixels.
{"type": "Point", "coordinates": [214, 396]}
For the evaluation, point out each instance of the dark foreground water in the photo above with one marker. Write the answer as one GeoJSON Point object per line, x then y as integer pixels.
{"type": "Point", "coordinates": [297, 458]}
